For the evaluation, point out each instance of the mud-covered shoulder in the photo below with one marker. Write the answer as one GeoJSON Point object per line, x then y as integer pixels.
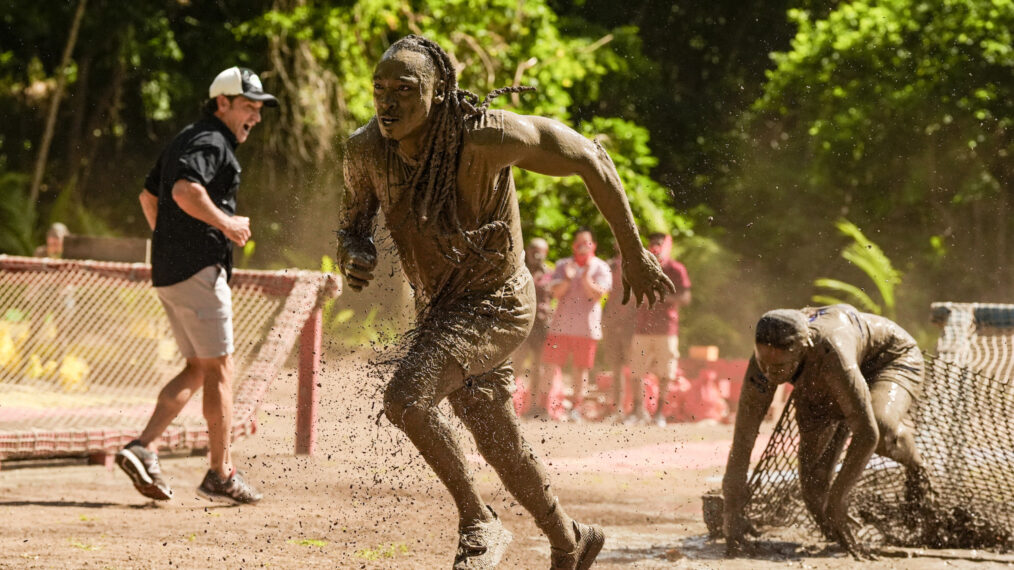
{"type": "Point", "coordinates": [364, 140]}
{"type": "Point", "coordinates": [835, 349]}
{"type": "Point", "coordinates": [360, 158]}
{"type": "Point", "coordinates": [493, 128]}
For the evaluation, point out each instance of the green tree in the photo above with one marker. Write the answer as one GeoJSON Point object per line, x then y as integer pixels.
{"type": "Point", "coordinates": [898, 114]}
{"type": "Point", "coordinates": [126, 81]}
{"type": "Point", "coordinates": [495, 43]}
{"type": "Point", "coordinates": [17, 217]}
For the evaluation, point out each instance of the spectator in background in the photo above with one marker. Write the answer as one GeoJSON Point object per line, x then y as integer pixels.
{"type": "Point", "coordinates": [578, 284]}
{"type": "Point", "coordinates": [618, 322]}
{"type": "Point", "coordinates": [528, 356]}
{"type": "Point", "coordinates": [54, 241]}
{"type": "Point", "coordinates": [655, 348]}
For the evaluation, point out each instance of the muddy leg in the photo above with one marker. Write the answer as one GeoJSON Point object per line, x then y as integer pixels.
{"type": "Point", "coordinates": [410, 403]}
{"type": "Point", "coordinates": [891, 404]}
{"type": "Point", "coordinates": [488, 415]}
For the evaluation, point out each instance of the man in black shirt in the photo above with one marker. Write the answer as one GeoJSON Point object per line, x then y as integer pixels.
{"type": "Point", "coordinates": [189, 200]}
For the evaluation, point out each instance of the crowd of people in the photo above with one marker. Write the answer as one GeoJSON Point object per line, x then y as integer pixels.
{"type": "Point", "coordinates": [627, 355]}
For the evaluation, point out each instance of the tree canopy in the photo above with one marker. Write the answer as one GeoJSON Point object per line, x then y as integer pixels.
{"type": "Point", "coordinates": [897, 115]}
{"type": "Point", "coordinates": [748, 132]}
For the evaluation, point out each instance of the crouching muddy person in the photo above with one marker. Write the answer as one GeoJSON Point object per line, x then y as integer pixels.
{"type": "Point", "coordinates": [439, 165]}
{"type": "Point", "coordinates": [850, 371]}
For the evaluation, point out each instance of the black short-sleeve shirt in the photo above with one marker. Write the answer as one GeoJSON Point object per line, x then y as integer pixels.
{"type": "Point", "coordinates": [181, 245]}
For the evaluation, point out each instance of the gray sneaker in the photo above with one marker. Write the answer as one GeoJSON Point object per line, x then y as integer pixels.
{"type": "Point", "coordinates": [233, 489]}
{"type": "Point", "coordinates": [482, 545]}
{"type": "Point", "coordinates": [142, 467]}
{"type": "Point", "coordinates": [590, 539]}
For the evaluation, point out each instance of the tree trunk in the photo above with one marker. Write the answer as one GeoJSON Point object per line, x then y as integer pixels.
{"type": "Point", "coordinates": [78, 112]}
{"type": "Point", "coordinates": [54, 106]}
{"type": "Point", "coordinates": [102, 117]}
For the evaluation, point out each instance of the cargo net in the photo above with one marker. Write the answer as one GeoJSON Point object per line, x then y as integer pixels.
{"type": "Point", "coordinates": [85, 347]}
{"type": "Point", "coordinates": [964, 431]}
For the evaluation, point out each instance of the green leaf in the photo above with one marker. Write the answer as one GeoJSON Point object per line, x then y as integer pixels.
{"type": "Point", "coordinates": [854, 295]}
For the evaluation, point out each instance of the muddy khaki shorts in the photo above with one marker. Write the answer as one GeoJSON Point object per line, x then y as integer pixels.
{"type": "Point", "coordinates": [200, 313]}
{"type": "Point", "coordinates": [479, 331]}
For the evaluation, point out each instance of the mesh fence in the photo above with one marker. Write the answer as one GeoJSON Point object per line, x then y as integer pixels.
{"type": "Point", "coordinates": [85, 347]}
{"type": "Point", "coordinates": [964, 431]}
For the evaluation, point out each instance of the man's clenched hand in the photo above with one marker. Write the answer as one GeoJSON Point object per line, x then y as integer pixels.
{"type": "Point", "coordinates": [357, 259]}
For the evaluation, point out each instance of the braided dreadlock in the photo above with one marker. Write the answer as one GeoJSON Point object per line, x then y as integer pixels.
{"type": "Point", "coordinates": [434, 182]}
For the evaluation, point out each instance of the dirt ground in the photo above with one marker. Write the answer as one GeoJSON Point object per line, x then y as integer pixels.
{"type": "Point", "coordinates": [366, 500]}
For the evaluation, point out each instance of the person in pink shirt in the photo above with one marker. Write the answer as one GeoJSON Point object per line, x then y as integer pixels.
{"type": "Point", "coordinates": [655, 348]}
{"type": "Point", "coordinates": [578, 284]}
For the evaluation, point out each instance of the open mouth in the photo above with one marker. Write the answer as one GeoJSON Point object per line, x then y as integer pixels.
{"type": "Point", "coordinates": [247, 127]}
{"type": "Point", "coordinates": [388, 121]}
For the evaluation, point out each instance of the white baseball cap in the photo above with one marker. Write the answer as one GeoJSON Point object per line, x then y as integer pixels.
{"type": "Point", "coordinates": [240, 81]}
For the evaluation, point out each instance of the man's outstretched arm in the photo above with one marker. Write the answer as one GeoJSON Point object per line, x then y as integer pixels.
{"type": "Point", "coordinates": [754, 401]}
{"type": "Point", "coordinates": [547, 146]}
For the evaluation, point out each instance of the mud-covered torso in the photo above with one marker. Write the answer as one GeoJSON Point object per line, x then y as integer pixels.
{"type": "Point", "coordinates": [436, 260]}
{"type": "Point", "coordinates": [845, 338]}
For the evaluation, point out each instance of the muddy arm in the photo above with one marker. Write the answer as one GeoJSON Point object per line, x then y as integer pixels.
{"type": "Point", "coordinates": [853, 396]}
{"type": "Point", "coordinates": [755, 399]}
{"type": "Point", "coordinates": [547, 146]}
{"type": "Point", "coordinates": [357, 255]}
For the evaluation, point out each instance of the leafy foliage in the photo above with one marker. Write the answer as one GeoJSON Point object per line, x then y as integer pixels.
{"type": "Point", "coordinates": [496, 43]}
{"type": "Point", "coordinates": [17, 216]}
{"type": "Point", "coordinates": [895, 114]}
{"type": "Point", "coordinates": [870, 259]}
{"type": "Point", "coordinates": [898, 114]}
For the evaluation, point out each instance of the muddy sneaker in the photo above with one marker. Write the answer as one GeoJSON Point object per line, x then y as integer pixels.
{"type": "Point", "coordinates": [590, 539]}
{"type": "Point", "coordinates": [142, 467]}
{"type": "Point", "coordinates": [482, 545]}
{"type": "Point", "coordinates": [233, 489]}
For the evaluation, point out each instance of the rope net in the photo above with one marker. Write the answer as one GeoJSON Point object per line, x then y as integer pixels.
{"type": "Point", "coordinates": [964, 431]}
{"type": "Point", "coordinates": [85, 347]}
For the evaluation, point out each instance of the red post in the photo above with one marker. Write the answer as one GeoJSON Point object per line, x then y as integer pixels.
{"type": "Point", "coordinates": [101, 458]}
{"type": "Point", "coordinates": [309, 368]}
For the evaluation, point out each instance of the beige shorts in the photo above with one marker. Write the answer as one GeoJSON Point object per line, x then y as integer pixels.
{"type": "Point", "coordinates": [656, 354]}
{"type": "Point", "coordinates": [200, 313]}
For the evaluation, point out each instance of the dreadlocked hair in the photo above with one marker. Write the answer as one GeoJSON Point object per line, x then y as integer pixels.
{"type": "Point", "coordinates": [434, 182]}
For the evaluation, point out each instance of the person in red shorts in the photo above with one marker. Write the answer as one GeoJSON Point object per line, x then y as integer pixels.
{"type": "Point", "coordinates": [578, 284]}
{"type": "Point", "coordinates": [655, 348]}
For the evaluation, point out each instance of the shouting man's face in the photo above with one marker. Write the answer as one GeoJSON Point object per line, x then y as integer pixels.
{"type": "Point", "coordinates": [404, 84]}
{"type": "Point", "coordinates": [239, 114]}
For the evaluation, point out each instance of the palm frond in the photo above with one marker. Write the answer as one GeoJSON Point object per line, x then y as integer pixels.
{"type": "Point", "coordinates": [853, 295]}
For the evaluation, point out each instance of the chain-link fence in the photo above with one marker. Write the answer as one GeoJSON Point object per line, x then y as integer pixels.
{"type": "Point", "coordinates": [85, 347]}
